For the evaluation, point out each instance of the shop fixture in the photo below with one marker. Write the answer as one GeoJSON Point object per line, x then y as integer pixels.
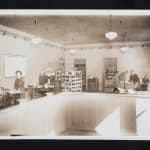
{"type": "Point", "coordinates": [111, 35]}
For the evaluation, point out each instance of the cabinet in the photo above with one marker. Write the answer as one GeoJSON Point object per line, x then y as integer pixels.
{"type": "Point", "coordinates": [92, 84]}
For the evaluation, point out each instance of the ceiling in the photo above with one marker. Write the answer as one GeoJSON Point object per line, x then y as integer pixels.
{"type": "Point", "coordinates": [81, 29]}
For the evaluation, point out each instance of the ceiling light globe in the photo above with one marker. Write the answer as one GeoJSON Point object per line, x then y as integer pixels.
{"type": "Point", "coordinates": [111, 35]}
{"type": "Point", "coordinates": [72, 51]}
{"type": "Point", "coordinates": [124, 49]}
{"type": "Point", "coordinates": [36, 40]}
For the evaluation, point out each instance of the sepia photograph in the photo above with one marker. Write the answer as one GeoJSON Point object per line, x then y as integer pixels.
{"type": "Point", "coordinates": [75, 74]}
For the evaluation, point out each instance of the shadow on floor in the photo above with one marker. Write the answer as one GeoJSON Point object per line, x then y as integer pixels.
{"type": "Point", "coordinates": [79, 133]}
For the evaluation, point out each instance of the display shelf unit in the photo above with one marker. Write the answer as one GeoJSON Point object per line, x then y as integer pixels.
{"type": "Point", "coordinates": [73, 81]}
{"type": "Point", "coordinates": [82, 68]}
{"type": "Point", "coordinates": [110, 71]}
{"type": "Point", "coordinates": [109, 81]}
{"type": "Point", "coordinates": [60, 75]}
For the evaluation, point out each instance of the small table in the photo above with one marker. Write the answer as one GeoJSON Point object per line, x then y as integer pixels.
{"type": "Point", "coordinates": [14, 95]}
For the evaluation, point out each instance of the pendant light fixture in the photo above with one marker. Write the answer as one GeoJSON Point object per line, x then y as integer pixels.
{"type": "Point", "coordinates": [110, 35]}
{"type": "Point", "coordinates": [36, 40]}
{"type": "Point", "coordinates": [124, 48]}
{"type": "Point", "coordinates": [72, 51]}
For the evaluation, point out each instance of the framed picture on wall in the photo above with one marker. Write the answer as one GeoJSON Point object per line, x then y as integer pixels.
{"type": "Point", "coordinates": [14, 63]}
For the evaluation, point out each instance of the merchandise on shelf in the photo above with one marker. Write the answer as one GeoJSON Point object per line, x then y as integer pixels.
{"type": "Point", "coordinates": [73, 81]}
{"type": "Point", "coordinates": [60, 75]}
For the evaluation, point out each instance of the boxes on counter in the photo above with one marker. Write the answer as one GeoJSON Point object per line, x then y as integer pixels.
{"type": "Point", "coordinates": [73, 81]}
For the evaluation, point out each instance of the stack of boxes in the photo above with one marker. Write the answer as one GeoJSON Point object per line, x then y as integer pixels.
{"type": "Point", "coordinates": [73, 81]}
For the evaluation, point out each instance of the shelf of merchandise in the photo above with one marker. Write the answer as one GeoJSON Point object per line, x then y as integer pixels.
{"type": "Point", "coordinates": [73, 81]}
{"type": "Point", "coordinates": [82, 68]}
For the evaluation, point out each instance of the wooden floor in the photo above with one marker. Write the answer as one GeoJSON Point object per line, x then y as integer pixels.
{"type": "Point", "coordinates": [79, 133]}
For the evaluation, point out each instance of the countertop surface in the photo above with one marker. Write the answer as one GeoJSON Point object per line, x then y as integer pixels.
{"type": "Point", "coordinates": [138, 94]}
{"type": "Point", "coordinates": [57, 97]}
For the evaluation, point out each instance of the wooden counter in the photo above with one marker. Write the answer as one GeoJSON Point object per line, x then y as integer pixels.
{"type": "Point", "coordinates": [85, 111]}
{"type": "Point", "coordinates": [80, 111]}
{"type": "Point", "coordinates": [39, 117]}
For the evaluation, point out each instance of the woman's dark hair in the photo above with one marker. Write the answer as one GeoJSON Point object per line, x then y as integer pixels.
{"type": "Point", "coordinates": [18, 71]}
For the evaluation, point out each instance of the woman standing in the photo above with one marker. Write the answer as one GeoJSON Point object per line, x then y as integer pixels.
{"type": "Point", "coordinates": [19, 82]}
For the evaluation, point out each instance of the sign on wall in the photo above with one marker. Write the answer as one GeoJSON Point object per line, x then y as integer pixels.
{"type": "Point", "coordinates": [14, 63]}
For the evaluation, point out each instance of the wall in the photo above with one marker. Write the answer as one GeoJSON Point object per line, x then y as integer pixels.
{"type": "Point", "coordinates": [136, 58]}
{"type": "Point", "coordinates": [38, 58]}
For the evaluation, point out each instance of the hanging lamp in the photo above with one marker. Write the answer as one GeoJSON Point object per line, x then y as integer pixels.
{"type": "Point", "coordinates": [110, 35]}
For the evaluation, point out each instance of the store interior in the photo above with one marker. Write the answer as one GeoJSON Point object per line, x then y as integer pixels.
{"type": "Point", "coordinates": [81, 75]}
